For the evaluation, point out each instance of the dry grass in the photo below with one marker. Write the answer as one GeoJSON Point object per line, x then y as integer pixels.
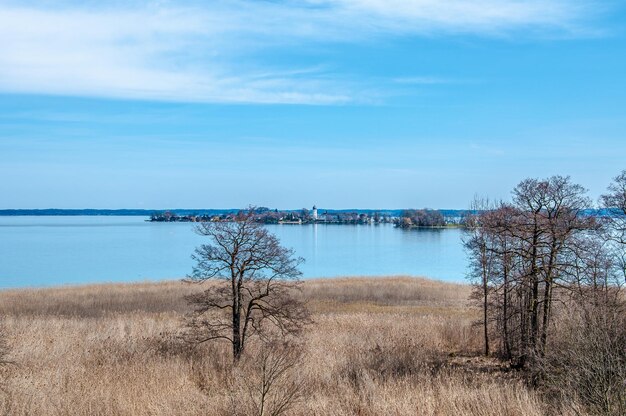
{"type": "Point", "coordinates": [378, 346]}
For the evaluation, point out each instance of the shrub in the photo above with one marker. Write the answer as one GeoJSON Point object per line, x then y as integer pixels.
{"type": "Point", "coordinates": [587, 361]}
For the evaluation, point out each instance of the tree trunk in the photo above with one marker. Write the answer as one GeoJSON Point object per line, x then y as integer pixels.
{"type": "Point", "coordinates": [505, 313]}
{"type": "Point", "coordinates": [237, 345]}
{"type": "Point", "coordinates": [534, 313]}
{"type": "Point", "coordinates": [534, 300]}
{"type": "Point", "coordinates": [485, 315]}
{"type": "Point", "coordinates": [547, 298]}
{"type": "Point", "coordinates": [546, 314]}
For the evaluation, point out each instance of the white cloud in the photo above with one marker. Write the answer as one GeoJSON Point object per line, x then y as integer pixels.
{"type": "Point", "coordinates": [209, 52]}
{"type": "Point", "coordinates": [466, 16]}
{"type": "Point", "coordinates": [168, 54]}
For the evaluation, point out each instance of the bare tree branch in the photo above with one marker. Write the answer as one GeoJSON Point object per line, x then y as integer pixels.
{"type": "Point", "coordinates": [252, 288]}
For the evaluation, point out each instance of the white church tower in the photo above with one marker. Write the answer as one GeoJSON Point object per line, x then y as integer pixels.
{"type": "Point", "coordinates": [314, 213]}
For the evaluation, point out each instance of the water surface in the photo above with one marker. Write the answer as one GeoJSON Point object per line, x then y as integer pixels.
{"type": "Point", "coordinates": [44, 251]}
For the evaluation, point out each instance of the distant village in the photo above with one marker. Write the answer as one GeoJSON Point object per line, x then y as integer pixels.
{"type": "Point", "coordinates": [404, 219]}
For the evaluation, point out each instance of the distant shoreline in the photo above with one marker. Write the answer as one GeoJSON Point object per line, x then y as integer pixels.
{"type": "Point", "coordinates": [101, 212]}
{"type": "Point", "coordinates": [182, 211]}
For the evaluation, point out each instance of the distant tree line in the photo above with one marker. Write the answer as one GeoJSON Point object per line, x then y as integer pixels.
{"type": "Point", "coordinates": [421, 218]}
{"type": "Point", "coordinates": [409, 218]}
{"type": "Point", "coordinates": [549, 282]}
{"type": "Point", "coordinates": [264, 215]}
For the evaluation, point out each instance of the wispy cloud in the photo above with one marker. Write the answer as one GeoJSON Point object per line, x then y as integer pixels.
{"type": "Point", "coordinates": [213, 52]}
{"type": "Point", "coordinates": [425, 80]}
{"type": "Point", "coordinates": [483, 17]}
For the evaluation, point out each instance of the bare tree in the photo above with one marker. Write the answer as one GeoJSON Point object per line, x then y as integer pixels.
{"type": "Point", "coordinates": [615, 202]}
{"type": "Point", "coordinates": [551, 285]}
{"type": "Point", "coordinates": [253, 283]}
{"type": "Point", "coordinates": [518, 255]}
{"type": "Point", "coordinates": [268, 383]}
{"type": "Point", "coordinates": [551, 217]}
{"type": "Point", "coordinates": [478, 241]}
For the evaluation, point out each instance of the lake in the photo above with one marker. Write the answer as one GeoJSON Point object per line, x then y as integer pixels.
{"type": "Point", "coordinates": [44, 251]}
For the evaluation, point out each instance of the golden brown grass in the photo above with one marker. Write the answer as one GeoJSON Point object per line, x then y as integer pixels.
{"type": "Point", "coordinates": [378, 346]}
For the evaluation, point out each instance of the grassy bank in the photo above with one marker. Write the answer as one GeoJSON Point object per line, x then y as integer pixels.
{"type": "Point", "coordinates": [378, 346]}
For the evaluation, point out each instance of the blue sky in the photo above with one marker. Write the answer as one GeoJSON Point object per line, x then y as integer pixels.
{"type": "Point", "coordinates": [339, 103]}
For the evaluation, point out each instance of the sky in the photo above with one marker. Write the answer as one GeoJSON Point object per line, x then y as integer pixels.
{"type": "Point", "coordinates": [281, 103]}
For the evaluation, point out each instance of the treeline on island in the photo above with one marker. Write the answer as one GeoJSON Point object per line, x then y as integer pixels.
{"type": "Point", "coordinates": [425, 218]}
{"type": "Point", "coordinates": [263, 215]}
{"type": "Point", "coordinates": [410, 218]}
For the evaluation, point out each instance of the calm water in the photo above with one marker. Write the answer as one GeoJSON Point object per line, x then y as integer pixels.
{"type": "Point", "coordinates": [42, 251]}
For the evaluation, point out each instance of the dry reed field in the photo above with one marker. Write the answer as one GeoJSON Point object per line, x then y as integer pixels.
{"type": "Point", "coordinates": [377, 346]}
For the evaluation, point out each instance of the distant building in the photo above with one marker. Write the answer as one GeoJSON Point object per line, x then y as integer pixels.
{"type": "Point", "coordinates": [314, 213]}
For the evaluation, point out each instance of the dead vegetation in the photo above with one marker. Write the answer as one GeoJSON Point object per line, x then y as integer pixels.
{"type": "Point", "coordinates": [392, 346]}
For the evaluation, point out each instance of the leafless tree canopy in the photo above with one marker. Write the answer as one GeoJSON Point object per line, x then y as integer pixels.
{"type": "Point", "coordinates": [253, 288]}
{"type": "Point", "coordinates": [540, 253]}
{"type": "Point", "coordinates": [517, 252]}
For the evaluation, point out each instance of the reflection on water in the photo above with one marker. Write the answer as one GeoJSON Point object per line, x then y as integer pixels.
{"type": "Point", "coordinates": [39, 251]}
